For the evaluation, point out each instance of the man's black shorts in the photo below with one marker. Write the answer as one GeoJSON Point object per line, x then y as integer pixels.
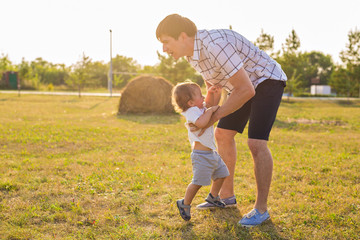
{"type": "Point", "coordinates": [260, 111]}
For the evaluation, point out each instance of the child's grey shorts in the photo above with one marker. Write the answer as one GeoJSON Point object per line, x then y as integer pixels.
{"type": "Point", "coordinates": [207, 165]}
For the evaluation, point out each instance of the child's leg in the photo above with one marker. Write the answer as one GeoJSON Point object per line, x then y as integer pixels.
{"type": "Point", "coordinates": [216, 186]}
{"type": "Point", "coordinates": [184, 204]}
{"type": "Point", "coordinates": [213, 197]}
{"type": "Point", "coordinates": [190, 193]}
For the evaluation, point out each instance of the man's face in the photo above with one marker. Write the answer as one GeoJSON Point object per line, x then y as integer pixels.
{"type": "Point", "coordinates": [173, 47]}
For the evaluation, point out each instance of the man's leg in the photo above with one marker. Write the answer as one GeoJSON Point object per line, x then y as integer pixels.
{"type": "Point", "coordinates": [264, 107]}
{"type": "Point", "coordinates": [227, 149]}
{"type": "Point", "coordinates": [263, 167]}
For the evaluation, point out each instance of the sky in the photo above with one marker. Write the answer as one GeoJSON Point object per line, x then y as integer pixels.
{"type": "Point", "coordinates": [60, 31]}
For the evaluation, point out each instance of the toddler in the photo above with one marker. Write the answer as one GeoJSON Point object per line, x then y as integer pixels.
{"type": "Point", "coordinates": [207, 163]}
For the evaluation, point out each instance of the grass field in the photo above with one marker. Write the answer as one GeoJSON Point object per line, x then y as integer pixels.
{"type": "Point", "coordinates": [71, 168]}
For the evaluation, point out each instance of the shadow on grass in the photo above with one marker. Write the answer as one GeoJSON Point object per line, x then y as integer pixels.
{"type": "Point", "coordinates": [284, 125]}
{"type": "Point", "coordinates": [269, 230]}
{"type": "Point", "coordinates": [310, 124]}
{"type": "Point", "coordinates": [8, 98]}
{"type": "Point", "coordinates": [151, 118]}
{"type": "Point", "coordinates": [348, 103]}
{"type": "Point", "coordinates": [232, 216]}
{"type": "Point", "coordinates": [287, 101]}
{"type": "Point", "coordinates": [97, 104]}
{"type": "Point", "coordinates": [187, 231]}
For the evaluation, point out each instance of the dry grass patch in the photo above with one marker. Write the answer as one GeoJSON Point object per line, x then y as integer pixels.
{"type": "Point", "coordinates": [72, 168]}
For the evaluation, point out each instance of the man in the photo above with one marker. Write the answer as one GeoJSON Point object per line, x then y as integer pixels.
{"type": "Point", "coordinates": [255, 83]}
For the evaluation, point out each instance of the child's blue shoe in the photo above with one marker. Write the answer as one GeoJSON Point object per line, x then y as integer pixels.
{"type": "Point", "coordinates": [254, 218]}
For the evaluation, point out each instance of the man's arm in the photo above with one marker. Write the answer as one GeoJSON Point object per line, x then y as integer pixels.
{"type": "Point", "coordinates": [243, 91]}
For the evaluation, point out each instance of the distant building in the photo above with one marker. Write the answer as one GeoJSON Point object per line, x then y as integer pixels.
{"type": "Point", "coordinates": [11, 79]}
{"type": "Point", "coordinates": [320, 90]}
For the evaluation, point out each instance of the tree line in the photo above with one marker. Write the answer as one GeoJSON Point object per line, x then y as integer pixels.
{"type": "Point", "coordinates": [302, 68]}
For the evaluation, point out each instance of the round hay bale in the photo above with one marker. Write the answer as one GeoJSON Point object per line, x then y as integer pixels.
{"type": "Point", "coordinates": [147, 94]}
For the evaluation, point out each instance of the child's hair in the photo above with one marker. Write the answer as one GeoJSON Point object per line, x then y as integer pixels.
{"type": "Point", "coordinates": [175, 24]}
{"type": "Point", "coordinates": [182, 93]}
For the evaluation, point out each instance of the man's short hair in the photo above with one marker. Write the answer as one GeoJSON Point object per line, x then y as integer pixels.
{"type": "Point", "coordinates": [175, 24]}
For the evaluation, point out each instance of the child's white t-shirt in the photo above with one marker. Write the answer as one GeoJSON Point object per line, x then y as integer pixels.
{"type": "Point", "coordinates": [207, 139]}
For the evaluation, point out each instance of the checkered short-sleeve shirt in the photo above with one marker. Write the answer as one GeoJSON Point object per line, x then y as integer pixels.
{"type": "Point", "coordinates": [219, 54]}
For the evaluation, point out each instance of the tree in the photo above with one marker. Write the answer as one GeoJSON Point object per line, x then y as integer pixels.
{"type": "Point", "coordinates": [29, 79]}
{"type": "Point", "coordinates": [293, 84]}
{"type": "Point", "coordinates": [317, 65]}
{"type": "Point", "coordinates": [292, 43]}
{"type": "Point", "coordinates": [80, 73]}
{"type": "Point", "coordinates": [40, 72]}
{"type": "Point", "coordinates": [124, 69]}
{"type": "Point", "coordinates": [352, 53]}
{"type": "Point", "coordinates": [341, 83]}
{"type": "Point", "coordinates": [38, 69]}
{"type": "Point", "coordinates": [293, 63]}
{"type": "Point", "coordinates": [148, 70]}
{"type": "Point", "coordinates": [177, 71]}
{"type": "Point", "coordinates": [5, 63]}
{"type": "Point", "coordinates": [303, 67]}
{"type": "Point", "coordinates": [97, 74]}
{"type": "Point", "coordinates": [265, 42]}
{"type": "Point", "coordinates": [351, 57]}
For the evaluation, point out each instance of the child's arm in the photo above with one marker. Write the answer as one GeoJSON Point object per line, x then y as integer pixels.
{"type": "Point", "coordinates": [203, 120]}
{"type": "Point", "coordinates": [213, 95]}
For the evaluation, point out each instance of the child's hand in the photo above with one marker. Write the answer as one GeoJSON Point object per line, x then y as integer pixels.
{"type": "Point", "coordinates": [215, 89]}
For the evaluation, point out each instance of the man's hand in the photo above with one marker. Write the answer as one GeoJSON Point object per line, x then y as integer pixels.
{"type": "Point", "coordinates": [193, 127]}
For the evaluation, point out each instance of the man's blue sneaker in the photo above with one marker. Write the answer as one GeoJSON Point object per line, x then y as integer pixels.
{"type": "Point", "coordinates": [229, 202]}
{"type": "Point", "coordinates": [254, 218]}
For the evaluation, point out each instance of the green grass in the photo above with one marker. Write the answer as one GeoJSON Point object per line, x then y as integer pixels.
{"type": "Point", "coordinates": [71, 168]}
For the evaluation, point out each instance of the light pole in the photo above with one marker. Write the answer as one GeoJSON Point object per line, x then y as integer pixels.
{"type": "Point", "coordinates": [111, 72]}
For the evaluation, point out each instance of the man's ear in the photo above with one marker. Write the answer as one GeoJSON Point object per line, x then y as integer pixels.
{"type": "Point", "coordinates": [183, 35]}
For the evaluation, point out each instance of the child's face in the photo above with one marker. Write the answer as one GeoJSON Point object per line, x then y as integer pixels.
{"type": "Point", "coordinates": [197, 99]}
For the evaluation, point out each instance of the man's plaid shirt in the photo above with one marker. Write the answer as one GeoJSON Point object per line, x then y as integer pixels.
{"type": "Point", "coordinates": [219, 54]}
